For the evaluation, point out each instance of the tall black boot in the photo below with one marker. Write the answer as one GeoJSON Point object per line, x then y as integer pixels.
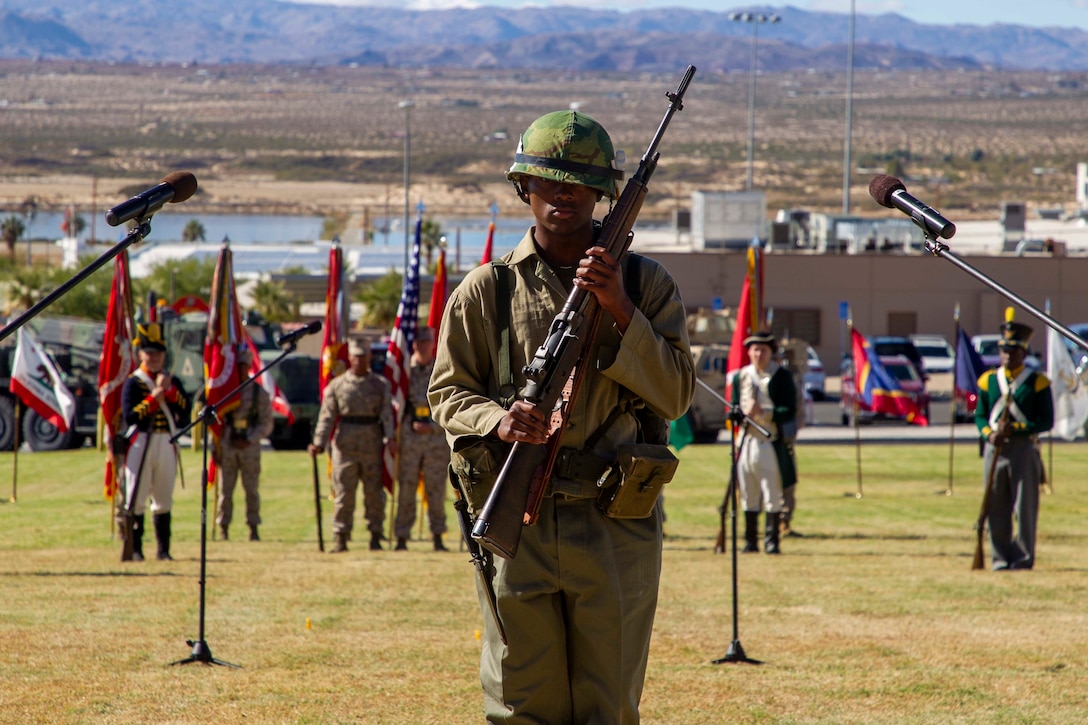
{"type": "Point", "coordinates": [770, 538]}
{"type": "Point", "coordinates": [162, 534]}
{"type": "Point", "coordinates": [138, 537]}
{"type": "Point", "coordinates": [751, 532]}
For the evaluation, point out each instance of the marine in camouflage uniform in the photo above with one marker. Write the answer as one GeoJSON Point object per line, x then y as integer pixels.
{"type": "Point", "coordinates": [358, 405]}
{"type": "Point", "coordinates": [153, 403]}
{"type": "Point", "coordinates": [423, 450]}
{"type": "Point", "coordinates": [1013, 512]}
{"type": "Point", "coordinates": [578, 601]}
{"type": "Point", "coordinates": [240, 450]}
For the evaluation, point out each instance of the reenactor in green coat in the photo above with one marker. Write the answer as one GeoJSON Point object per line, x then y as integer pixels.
{"type": "Point", "coordinates": [1014, 407]}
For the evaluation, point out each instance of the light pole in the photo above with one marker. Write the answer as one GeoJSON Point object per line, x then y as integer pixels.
{"type": "Point", "coordinates": [756, 19]}
{"type": "Point", "coordinates": [407, 106]}
{"type": "Point", "coordinates": [849, 116]}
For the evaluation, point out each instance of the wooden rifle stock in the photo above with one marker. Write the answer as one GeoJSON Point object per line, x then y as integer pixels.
{"type": "Point", "coordinates": [528, 467]}
{"type": "Point", "coordinates": [978, 562]}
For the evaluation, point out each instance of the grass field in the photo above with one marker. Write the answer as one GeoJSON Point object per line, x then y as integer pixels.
{"type": "Point", "coordinates": [873, 617]}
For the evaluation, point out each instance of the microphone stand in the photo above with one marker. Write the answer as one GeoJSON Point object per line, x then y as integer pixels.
{"type": "Point", "coordinates": [735, 652]}
{"type": "Point", "coordinates": [208, 414]}
{"type": "Point", "coordinates": [939, 249]}
{"type": "Point", "coordinates": [141, 230]}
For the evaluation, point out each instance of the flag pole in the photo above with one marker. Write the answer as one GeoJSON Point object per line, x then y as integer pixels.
{"type": "Point", "coordinates": [952, 405]}
{"type": "Point", "coordinates": [857, 430]}
{"type": "Point", "coordinates": [1048, 473]}
{"type": "Point", "coordinates": [15, 457]}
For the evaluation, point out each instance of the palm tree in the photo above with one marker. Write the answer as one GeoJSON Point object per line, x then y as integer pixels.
{"type": "Point", "coordinates": [430, 235]}
{"type": "Point", "coordinates": [381, 299]}
{"type": "Point", "coordinates": [272, 301]}
{"type": "Point", "coordinates": [73, 225]}
{"type": "Point", "coordinates": [193, 231]}
{"type": "Point", "coordinates": [11, 229]}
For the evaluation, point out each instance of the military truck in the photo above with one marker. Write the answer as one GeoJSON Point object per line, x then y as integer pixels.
{"type": "Point", "coordinates": [296, 375]}
{"type": "Point", "coordinates": [710, 332]}
{"type": "Point", "coordinates": [74, 345]}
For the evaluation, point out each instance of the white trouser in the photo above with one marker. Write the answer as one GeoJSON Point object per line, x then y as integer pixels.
{"type": "Point", "coordinates": [158, 473]}
{"type": "Point", "coordinates": [759, 477]}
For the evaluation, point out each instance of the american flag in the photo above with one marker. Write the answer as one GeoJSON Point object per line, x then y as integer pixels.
{"type": "Point", "coordinates": [400, 345]}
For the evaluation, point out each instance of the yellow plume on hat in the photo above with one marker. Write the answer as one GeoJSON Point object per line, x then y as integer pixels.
{"type": "Point", "coordinates": [1010, 313]}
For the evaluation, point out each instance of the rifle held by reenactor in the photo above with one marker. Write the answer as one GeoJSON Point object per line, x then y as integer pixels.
{"type": "Point", "coordinates": [479, 559]}
{"type": "Point", "coordinates": [528, 466]}
{"type": "Point", "coordinates": [980, 526]}
{"type": "Point", "coordinates": [317, 507]}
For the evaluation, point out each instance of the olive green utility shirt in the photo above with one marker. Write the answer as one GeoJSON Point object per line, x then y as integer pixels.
{"type": "Point", "coordinates": [652, 359]}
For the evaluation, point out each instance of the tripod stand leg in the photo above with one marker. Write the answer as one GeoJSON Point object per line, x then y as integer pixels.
{"type": "Point", "coordinates": [203, 654]}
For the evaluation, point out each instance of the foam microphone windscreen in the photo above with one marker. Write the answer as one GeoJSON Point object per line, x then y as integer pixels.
{"type": "Point", "coordinates": [184, 184]}
{"type": "Point", "coordinates": [882, 187]}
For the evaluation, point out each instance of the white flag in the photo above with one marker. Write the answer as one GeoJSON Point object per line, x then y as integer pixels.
{"type": "Point", "coordinates": [1070, 395]}
{"type": "Point", "coordinates": [37, 382]}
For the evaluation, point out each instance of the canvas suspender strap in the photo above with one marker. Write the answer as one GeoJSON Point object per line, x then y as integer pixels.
{"type": "Point", "coordinates": [507, 392]}
{"type": "Point", "coordinates": [1004, 386]}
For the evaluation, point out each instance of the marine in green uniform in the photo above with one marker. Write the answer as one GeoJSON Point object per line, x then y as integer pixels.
{"type": "Point", "coordinates": [578, 600]}
{"type": "Point", "coordinates": [1014, 407]}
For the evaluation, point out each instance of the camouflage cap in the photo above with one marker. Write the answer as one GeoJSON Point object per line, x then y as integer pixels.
{"type": "Point", "coordinates": [359, 346]}
{"type": "Point", "coordinates": [569, 147]}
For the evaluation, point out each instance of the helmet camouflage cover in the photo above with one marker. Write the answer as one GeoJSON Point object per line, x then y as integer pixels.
{"type": "Point", "coordinates": [569, 147]}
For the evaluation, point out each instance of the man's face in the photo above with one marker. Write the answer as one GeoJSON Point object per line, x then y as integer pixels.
{"type": "Point", "coordinates": [152, 360]}
{"type": "Point", "coordinates": [561, 209]}
{"type": "Point", "coordinates": [360, 364]}
{"type": "Point", "coordinates": [760, 355]}
{"type": "Point", "coordinates": [1012, 356]}
{"type": "Point", "coordinates": [424, 349]}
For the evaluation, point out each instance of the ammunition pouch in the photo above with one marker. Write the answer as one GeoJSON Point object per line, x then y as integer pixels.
{"type": "Point", "coordinates": [629, 489]}
{"type": "Point", "coordinates": [476, 461]}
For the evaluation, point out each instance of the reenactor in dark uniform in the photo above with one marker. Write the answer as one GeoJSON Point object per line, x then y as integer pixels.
{"type": "Point", "coordinates": [240, 449]}
{"type": "Point", "coordinates": [1014, 407]}
{"type": "Point", "coordinates": [358, 406]}
{"type": "Point", "coordinates": [153, 405]}
{"type": "Point", "coordinates": [424, 452]}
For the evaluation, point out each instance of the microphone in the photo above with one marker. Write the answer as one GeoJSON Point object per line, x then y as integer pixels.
{"type": "Point", "coordinates": [889, 191]}
{"type": "Point", "coordinates": [292, 337]}
{"type": "Point", "coordinates": [176, 187]}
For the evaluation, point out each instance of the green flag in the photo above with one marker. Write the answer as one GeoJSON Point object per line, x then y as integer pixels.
{"type": "Point", "coordinates": [680, 433]}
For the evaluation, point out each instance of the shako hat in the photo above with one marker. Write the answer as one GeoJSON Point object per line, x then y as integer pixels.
{"type": "Point", "coordinates": [149, 337]}
{"type": "Point", "coordinates": [1015, 334]}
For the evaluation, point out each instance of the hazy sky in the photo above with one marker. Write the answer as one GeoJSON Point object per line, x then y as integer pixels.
{"type": "Point", "coordinates": [1068, 13]}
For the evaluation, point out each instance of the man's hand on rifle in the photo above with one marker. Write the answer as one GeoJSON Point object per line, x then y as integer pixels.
{"type": "Point", "coordinates": [601, 274]}
{"type": "Point", "coordinates": [523, 423]}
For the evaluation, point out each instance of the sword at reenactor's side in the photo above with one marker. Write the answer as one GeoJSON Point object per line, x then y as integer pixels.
{"type": "Point", "coordinates": [317, 506]}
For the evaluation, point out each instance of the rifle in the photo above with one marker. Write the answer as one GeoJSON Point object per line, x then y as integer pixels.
{"type": "Point", "coordinates": [479, 560]}
{"type": "Point", "coordinates": [515, 500]}
{"type": "Point", "coordinates": [317, 507]}
{"type": "Point", "coordinates": [983, 514]}
{"type": "Point", "coordinates": [128, 520]}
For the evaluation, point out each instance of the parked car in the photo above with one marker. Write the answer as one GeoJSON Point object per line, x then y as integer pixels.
{"type": "Point", "coordinates": [888, 345]}
{"type": "Point", "coordinates": [988, 348]}
{"type": "Point", "coordinates": [937, 355]}
{"type": "Point", "coordinates": [903, 370]}
{"type": "Point", "coordinates": [815, 378]}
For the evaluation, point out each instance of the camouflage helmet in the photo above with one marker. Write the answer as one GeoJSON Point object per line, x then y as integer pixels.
{"type": "Point", "coordinates": [569, 147]}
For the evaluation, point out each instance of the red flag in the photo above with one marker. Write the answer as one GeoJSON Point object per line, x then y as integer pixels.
{"type": "Point", "coordinates": [749, 313]}
{"type": "Point", "coordinates": [878, 390]}
{"type": "Point", "coordinates": [117, 360]}
{"type": "Point", "coordinates": [438, 294]}
{"type": "Point", "coordinates": [334, 349]}
{"type": "Point", "coordinates": [398, 356]}
{"type": "Point", "coordinates": [221, 374]}
{"type": "Point", "coordinates": [488, 246]}
{"type": "Point", "coordinates": [280, 403]}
